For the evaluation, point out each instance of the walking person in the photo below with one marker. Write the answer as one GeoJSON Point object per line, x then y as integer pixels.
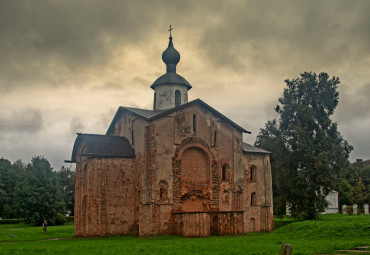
{"type": "Point", "coordinates": [45, 226]}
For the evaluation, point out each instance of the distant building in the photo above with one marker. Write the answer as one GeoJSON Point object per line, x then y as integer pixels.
{"type": "Point", "coordinates": [181, 168]}
{"type": "Point", "coordinates": [361, 162]}
{"type": "Point", "coordinates": [333, 205]}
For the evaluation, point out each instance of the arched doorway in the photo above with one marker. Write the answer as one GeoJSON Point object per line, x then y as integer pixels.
{"type": "Point", "coordinates": [214, 226]}
{"type": "Point", "coordinates": [252, 225]}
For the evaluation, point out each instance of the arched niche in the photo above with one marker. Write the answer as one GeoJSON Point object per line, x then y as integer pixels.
{"type": "Point", "coordinates": [195, 166]}
{"type": "Point", "coordinates": [163, 191]}
{"type": "Point", "coordinates": [253, 174]}
{"type": "Point", "coordinates": [252, 225]}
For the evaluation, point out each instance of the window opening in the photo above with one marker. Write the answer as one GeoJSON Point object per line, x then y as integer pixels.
{"type": "Point", "coordinates": [155, 100]}
{"type": "Point", "coordinates": [224, 172]}
{"type": "Point", "coordinates": [253, 198]}
{"type": "Point", "coordinates": [177, 98]}
{"type": "Point", "coordinates": [132, 137]}
{"type": "Point", "coordinates": [252, 177]}
{"type": "Point", "coordinates": [194, 123]}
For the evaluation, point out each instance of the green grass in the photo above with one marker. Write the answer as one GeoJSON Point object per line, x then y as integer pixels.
{"type": "Point", "coordinates": [326, 235]}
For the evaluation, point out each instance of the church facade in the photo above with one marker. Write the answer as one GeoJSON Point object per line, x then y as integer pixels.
{"type": "Point", "coordinates": [181, 168]}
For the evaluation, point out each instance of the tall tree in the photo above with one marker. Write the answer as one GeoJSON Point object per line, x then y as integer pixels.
{"type": "Point", "coordinates": [67, 181]}
{"type": "Point", "coordinates": [9, 176]}
{"type": "Point", "coordinates": [308, 148]}
{"type": "Point", "coordinates": [39, 195]}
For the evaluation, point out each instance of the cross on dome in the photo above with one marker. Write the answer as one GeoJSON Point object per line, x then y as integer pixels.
{"type": "Point", "coordinates": [171, 28]}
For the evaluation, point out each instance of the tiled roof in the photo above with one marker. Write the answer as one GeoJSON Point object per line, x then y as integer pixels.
{"type": "Point", "coordinates": [147, 114]}
{"type": "Point", "coordinates": [103, 146]}
{"type": "Point", "coordinates": [251, 149]}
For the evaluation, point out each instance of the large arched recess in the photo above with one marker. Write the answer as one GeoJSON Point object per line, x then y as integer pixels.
{"type": "Point", "coordinates": [195, 166]}
{"type": "Point", "coordinates": [194, 175]}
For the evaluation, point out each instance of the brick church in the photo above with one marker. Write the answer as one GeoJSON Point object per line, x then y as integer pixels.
{"type": "Point", "coordinates": [181, 168]}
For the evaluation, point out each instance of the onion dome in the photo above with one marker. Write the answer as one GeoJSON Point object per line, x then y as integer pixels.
{"type": "Point", "coordinates": [171, 57]}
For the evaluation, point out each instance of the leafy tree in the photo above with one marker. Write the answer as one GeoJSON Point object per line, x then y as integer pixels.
{"type": "Point", "coordinates": [345, 191]}
{"type": "Point", "coordinates": [9, 176]}
{"type": "Point", "coordinates": [359, 193]}
{"type": "Point", "coordinates": [38, 193]}
{"type": "Point", "coordinates": [357, 188]}
{"type": "Point", "coordinates": [67, 181]}
{"type": "Point", "coordinates": [307, 146]}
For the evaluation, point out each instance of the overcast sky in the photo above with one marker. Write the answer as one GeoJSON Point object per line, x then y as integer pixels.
{"type": "Point", "coordinates": [67, 65]}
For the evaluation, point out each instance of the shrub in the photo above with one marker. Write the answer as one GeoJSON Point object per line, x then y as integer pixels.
{"type": "Point", "coordinates": [70, 219]}
{"type": "Point", "coordinates": [60, 219]}
{"type": "Point", "coordinates": [349, 210]}
{"type": "Point", "coordinates": [11, 221]}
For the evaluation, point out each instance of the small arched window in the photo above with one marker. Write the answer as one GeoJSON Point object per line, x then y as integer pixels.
{"type": "Point", "coordinates": [215, 138]}
{"type": "Point", "coordinates": [155, 101]}
{"type": "Point", "coordinates": [253, 199]}
{"type": "Point", "coordinates": [252, 177]}
{"type": "Point", "coordinates": [224, 172]}
{"type": "Point", "coordinates": [163, 191]}
{"type": "Point", "coordinates": [177, 98]}
{"type": "Point", "coordinates": [194, 123]}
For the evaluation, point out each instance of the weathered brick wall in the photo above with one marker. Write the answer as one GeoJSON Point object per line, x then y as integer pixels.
{"type": "Point", "coordinates": [126, 124]}
{"type": "Point", "coordinates": [259, 216]}
{"type": "Point", "coordinates": [227, 223]}
{"type": "Point", "coordinates": [107, 204]}
{"type": "Point", "coordinates": [192, 224]}
{"type": "Point", "coordinates": [195, 166]}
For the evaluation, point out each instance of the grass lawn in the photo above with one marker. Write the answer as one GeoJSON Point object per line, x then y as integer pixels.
{"type": "Point", "coordinates": [326, 235]}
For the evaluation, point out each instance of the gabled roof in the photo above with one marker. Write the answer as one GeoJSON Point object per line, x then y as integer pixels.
{"type": "Point", "coordinates": [150, 115]}
{"type": "Point", "coordinates": [103, 146]}
{"type": "Point", "coordinates": [251, 149]}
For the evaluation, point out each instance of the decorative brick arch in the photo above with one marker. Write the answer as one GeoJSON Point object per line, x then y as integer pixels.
{"type": "Point", "coordinates": [212, 198]}
{"type": "Point", "coordinates": [81, 150]}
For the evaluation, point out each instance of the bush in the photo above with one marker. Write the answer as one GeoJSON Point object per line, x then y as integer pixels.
{"type": "Point", "coordinates": [349, 210]}
{"type": "Point", "coordinates": [70, 219]}
{"type": "Point", "coordinates": [60, 219]}
{"type": "Point", "coordinates": [11, 221]}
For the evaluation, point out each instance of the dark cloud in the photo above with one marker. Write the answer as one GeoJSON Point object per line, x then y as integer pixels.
{"type": "Point", "coordinates": [354, 104]}
{"type": "Point", "coordinates": [54, 42]}
{"type": "Point", "coordinates": [26, 121]}
{"type": "Point", "coordinates": [271, 36]}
